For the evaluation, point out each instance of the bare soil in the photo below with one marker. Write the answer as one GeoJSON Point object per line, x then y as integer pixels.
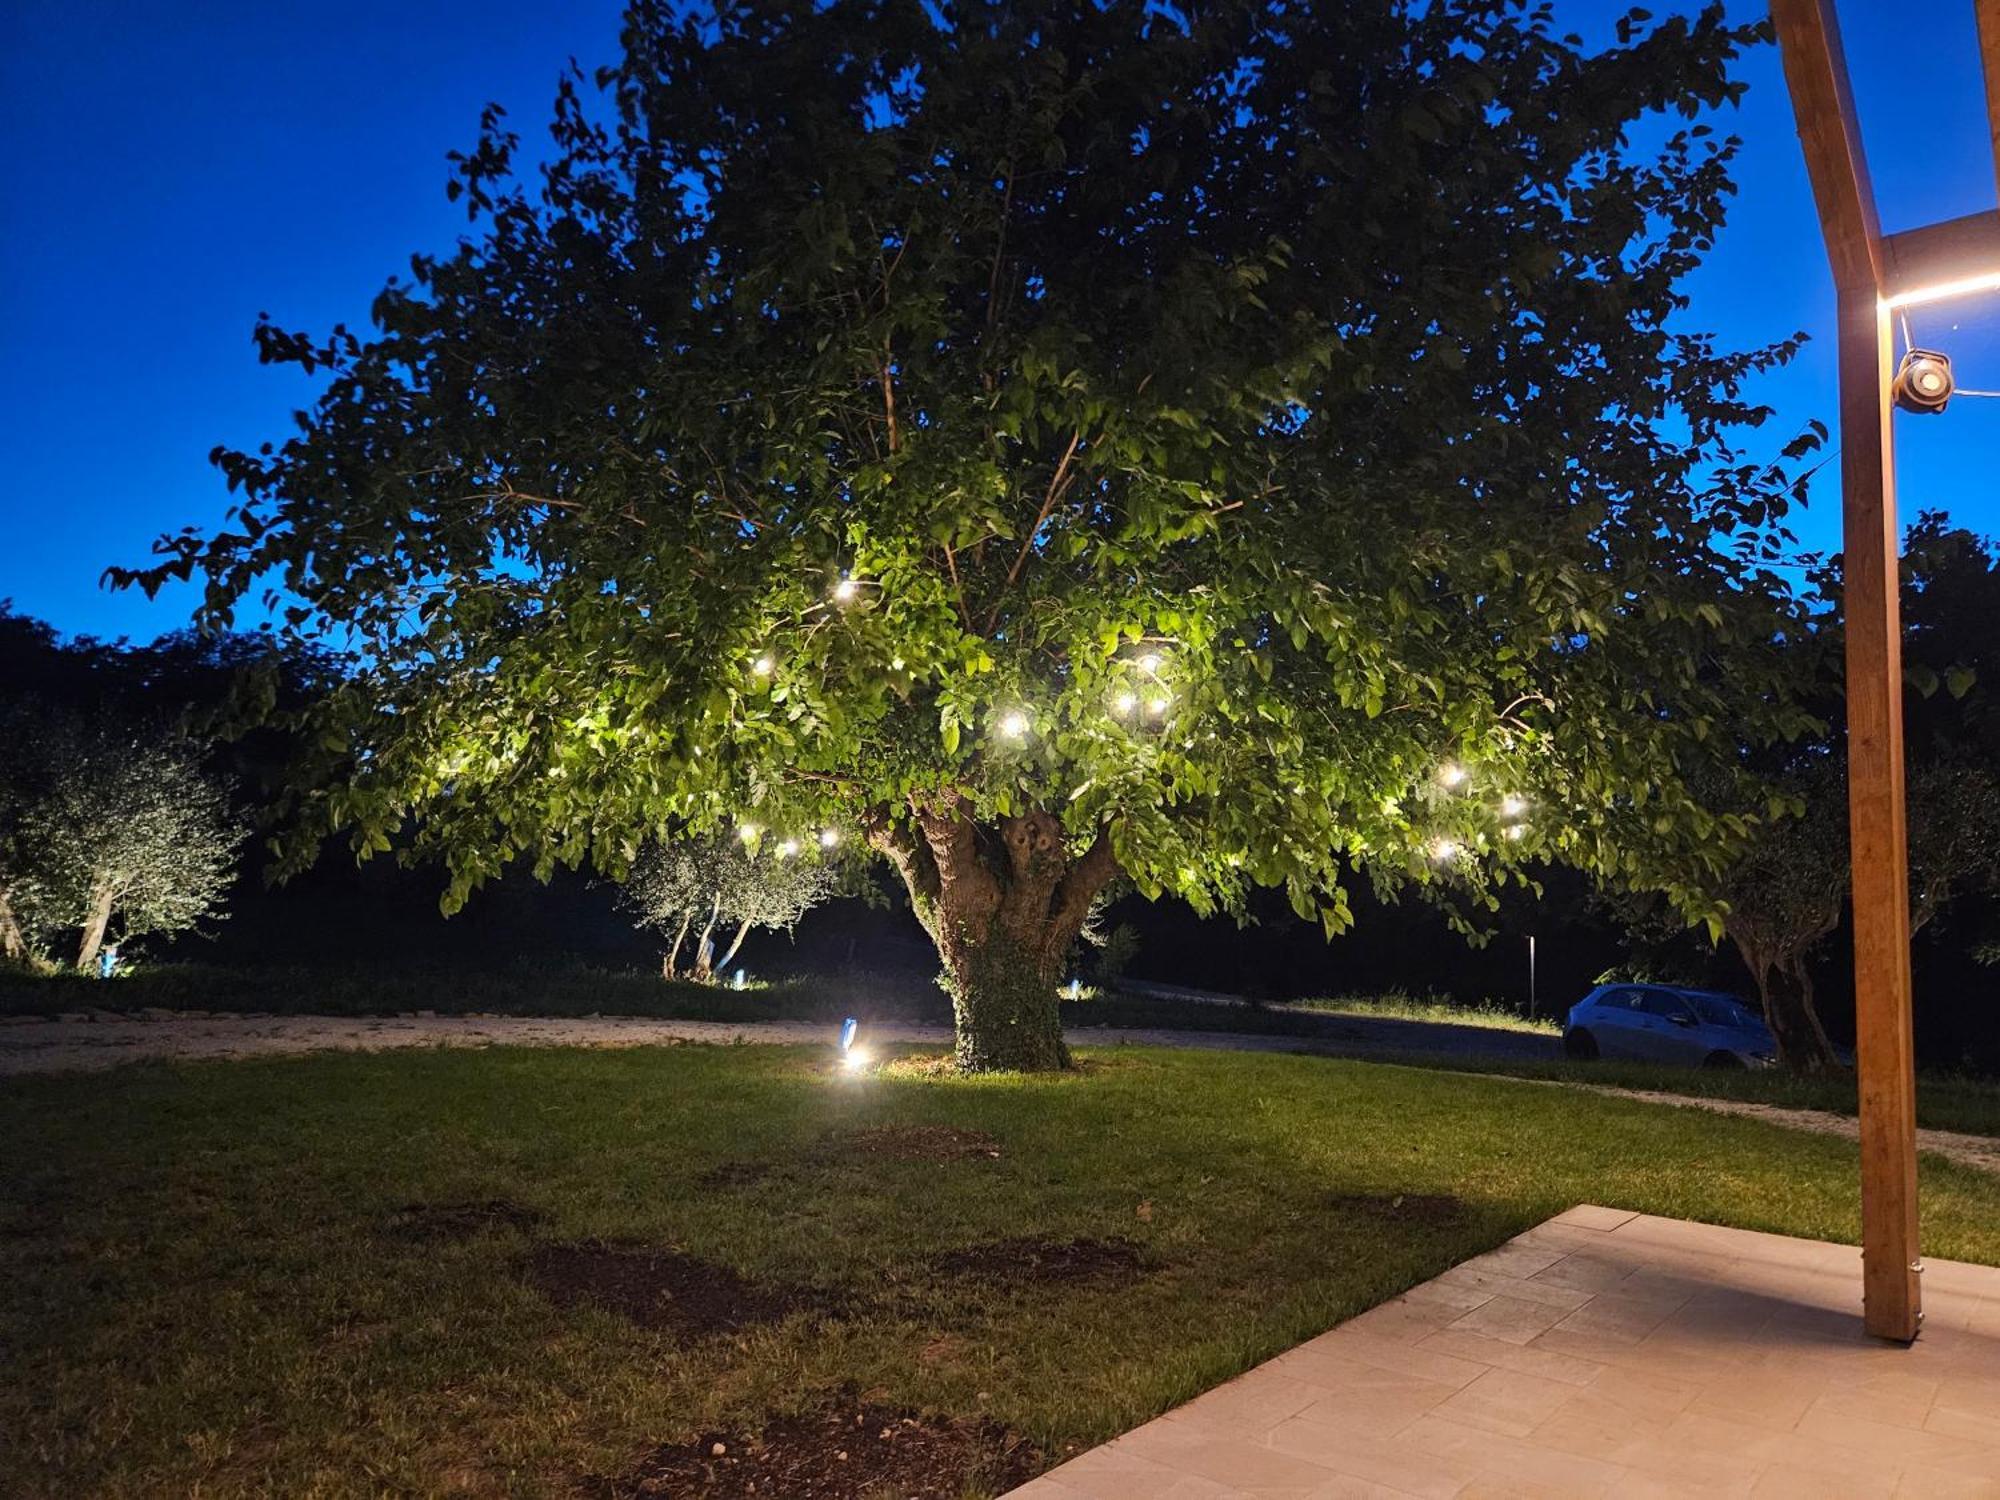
{"type": "Point", "coordinates": [847, 1451]}
{"type": "Point", "coordinates": [659, 1288]}
{"type": "Point", "coordinates": [934, 1143]}
{"type": "Point", "coordinates": [1033, 1262]}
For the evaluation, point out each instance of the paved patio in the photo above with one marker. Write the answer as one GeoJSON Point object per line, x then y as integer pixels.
{"type": "Point", "coordinates": [1601, 1353]}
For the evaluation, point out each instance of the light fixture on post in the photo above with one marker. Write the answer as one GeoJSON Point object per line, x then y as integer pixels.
{"type": "Point", "coordinates": [1923, 381]}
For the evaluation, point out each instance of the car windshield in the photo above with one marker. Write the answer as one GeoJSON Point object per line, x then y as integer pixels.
{"type": "Point", "coordinates": [1722, 1010]}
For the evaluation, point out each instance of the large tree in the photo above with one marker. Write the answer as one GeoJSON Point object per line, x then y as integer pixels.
{"type": "Point", "coordinates": [1056, 441]}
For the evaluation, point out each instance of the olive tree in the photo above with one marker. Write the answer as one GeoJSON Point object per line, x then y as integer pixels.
{"type": "Point", "coordinates": [119, 835]}
{"type": "Point", "coordinates": [1238, 444]}
{"type": "Point", "coordinates": [695, 885]}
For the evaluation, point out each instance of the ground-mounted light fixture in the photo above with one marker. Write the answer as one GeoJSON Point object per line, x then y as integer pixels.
{"type": "Point", "coordinates": [1923, 381]}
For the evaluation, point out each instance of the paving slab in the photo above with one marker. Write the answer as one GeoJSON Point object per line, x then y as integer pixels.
{"type": "Point", "coordinates": [1603, 1353]}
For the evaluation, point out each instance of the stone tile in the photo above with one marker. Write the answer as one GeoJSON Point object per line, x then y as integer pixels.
{"type": "Point", "coordinates": [1602, 1353]}
{"type": "Point", "coordinates": [1471, 1281]}
{"type": "Point", "coordinates": [1616, 1317]}
{"type": "Point", "coordinates": [1586, 1271]}
{"type": "Point", "coordinates": [1506, 1401]}
{"type": "Point", "coordinates": [1351, 1345]}
{"type": "Point", "coordinates": [1241, 1465]}
{"type": "Point", "coordinates": [1512, 1320]}
{"type": "Point", "coordinates": [1477, 1347]}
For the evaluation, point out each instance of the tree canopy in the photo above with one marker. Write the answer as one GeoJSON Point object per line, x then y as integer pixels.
{"type": "Point", "coordinates": [1244, 443]}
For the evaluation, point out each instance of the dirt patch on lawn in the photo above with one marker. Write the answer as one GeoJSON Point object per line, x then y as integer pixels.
{"type": "Point", "coordinates": [430, 1223]}
{"type": "Point", "coordinates": [1438, 1210]}
{"type": "Point", "coordinates": [938, 1143]}
{"type": "Point", "coordinates": [1033, 1262]}
{"type": "Point", "coordinates": [734, 1174]}
{"type": "Point", "coordinates": [845, 1452]}
{"type": "Point", "coordinates": [657, 1288]}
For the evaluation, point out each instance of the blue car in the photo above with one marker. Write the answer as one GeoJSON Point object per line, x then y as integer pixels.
{"type": "Point", "coordinates": [1657, 1023]}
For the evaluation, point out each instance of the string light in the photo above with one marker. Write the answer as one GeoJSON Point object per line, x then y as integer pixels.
{"type": "Point", "coordinates": [1157, 707]}
{"type": "Point", "coordinates": [787, 849]}
{"type": "Point", "coordinates": [1518, 831]}
{"type": "Point", "coordinates": [1126, 702]}
{"type": "Point", "coordinates": [1512, 806]}
{"type": "Point", "coordinates": [1013, 724]}
{"type": "Point", "coordinates": [1150, 662]}
{"type": "Point", "coordinates": [763, 666]}
{"type": "Point", "coordinates": [845, 590]}
{"type": "Point", "coordinates": [748, 832]}
{"type": "Point", "coordinates": [829, 838]}
{"type": "Point", "coordinates": [1450, 774]}
{"type": "Point", "coordinates": [1444, 851]}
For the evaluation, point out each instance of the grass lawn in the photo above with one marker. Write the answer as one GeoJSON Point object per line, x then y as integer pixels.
{"type": "Point", "coordinates": [1945, 1101]}
{"type": "Point", "coordinates": [314, 1276]}
{"type": "Point", "coordinates": [1401, 1007]}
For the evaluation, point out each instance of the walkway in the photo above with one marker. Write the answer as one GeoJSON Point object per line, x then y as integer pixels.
{"type": "Point", "coordinates": [1602, 1353]}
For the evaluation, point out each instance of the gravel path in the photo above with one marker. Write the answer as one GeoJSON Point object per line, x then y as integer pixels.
{"type": "Point", "coordinates": [1979, 1151]}
{"type": "Point", "coordinates": [105, 1040]}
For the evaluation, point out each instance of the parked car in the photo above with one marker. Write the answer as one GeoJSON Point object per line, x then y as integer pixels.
{"type": "Point", "coordinates": [1662, 1024]}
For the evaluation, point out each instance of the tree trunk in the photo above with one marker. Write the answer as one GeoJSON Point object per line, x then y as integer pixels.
{"type": "Point", "coordinates": [1003, 902]}
{"type": "Point", "coordinates": [94, 927]}
{"type": "Point", "coordinates": [13, 945]}
{"type": "Point", "coordinates": [670, 966]}
{"type": "Point", "coordinates": [735, 943]}
{"type": "Point", "coordinates": [1787, 992]}
{"type": "Point", "coordinates": [704, 951]}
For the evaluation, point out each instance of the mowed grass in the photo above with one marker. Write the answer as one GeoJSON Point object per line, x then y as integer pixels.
{"type": "Point", "coordinates": [1397, 1006]}
{"type": "Point", "coordinates": [203, 1291]}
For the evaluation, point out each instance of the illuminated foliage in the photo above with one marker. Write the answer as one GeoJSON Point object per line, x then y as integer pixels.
{"type": "Point", "coordinates": [690, 887]}
{"type": "Point", "coordinates": [1061, 441]}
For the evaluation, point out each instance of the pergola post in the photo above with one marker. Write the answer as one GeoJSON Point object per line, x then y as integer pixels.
{"type": "Point", "coordinates": [1816, 73]}
{"type": "Point", "coordinates": [1884, 1050]}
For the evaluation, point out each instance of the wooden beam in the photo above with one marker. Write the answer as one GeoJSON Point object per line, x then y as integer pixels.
{"type": "Point", "coordinates": [1816, 73]}
{"type": "Point", "coordinates": [1823, 105]}
{"type": "Point", "coordinates": [1878, 839]}
{"type": "Point", "coordinates": [1955, 250]}
{"type": "Point", "coordinates": [1988, 13]}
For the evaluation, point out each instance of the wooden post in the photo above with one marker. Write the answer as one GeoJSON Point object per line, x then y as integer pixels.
{"type": "Point", "coordinates": [1823, 103]}
{"type": "Point", "coordinates": [1877, 833]}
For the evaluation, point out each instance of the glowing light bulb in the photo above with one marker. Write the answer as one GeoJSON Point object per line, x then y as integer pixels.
{"type": "Point", "coordinates": [748, 832]}
{"type": "Point", "coordinates": [763, 666]}
{"type": "Point", "coordinates": [1444, 850]}
{"type": "Point", "coordinates": [1517, 831]}
{"type": "Point", "coordinates": [1450, 774]}
{"type": "Point", "coordinates": [1512, 806]}
{"type": "Point", "coordinates": [845, 590]}
{"type": "Point", "coordinates": [1126, 702]}
{"type": "Point", "coordinates": [1013, 724]}
{"type": "Point", "coordinates": [787, 849]}
{"type": "Point", "coordinates": [1156, 707]}
{"type": "Point", "coordinates": [829, 837]}
{"type": "Point", "coordinates": [1150, 662]}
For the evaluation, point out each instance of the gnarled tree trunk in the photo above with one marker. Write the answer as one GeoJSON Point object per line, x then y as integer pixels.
{"type": "Point", "coordinates": [1003, 901]}
{"type": "Point", "coordinates": [670, 965]}
{"type": "Point", "coordinates": [1786, 989]}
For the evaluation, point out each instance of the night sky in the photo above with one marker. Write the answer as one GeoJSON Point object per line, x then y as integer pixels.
{"type": "Point", "coordinates": [174, 167]}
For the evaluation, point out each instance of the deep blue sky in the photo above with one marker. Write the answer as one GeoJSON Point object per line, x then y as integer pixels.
{"type": "Point", "coordinates": [171, 167]}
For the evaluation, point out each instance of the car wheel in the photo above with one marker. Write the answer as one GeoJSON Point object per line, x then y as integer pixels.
{"type": "Point", "coordinates": [1722, 1060]}
{"type": "Point", "coordinates": [1580, 1044]}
